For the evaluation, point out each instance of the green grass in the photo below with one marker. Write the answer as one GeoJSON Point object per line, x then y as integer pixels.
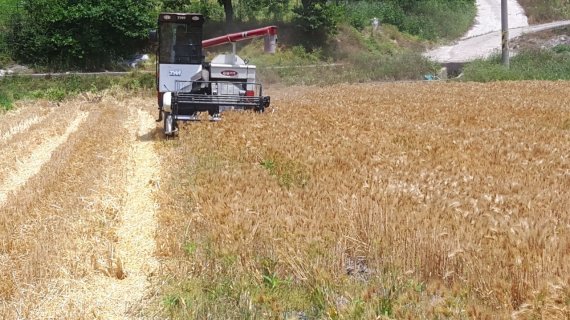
{"type": "Point", "coordinates": [225, 294]}
{"type": "Point", "coordinates": [539, 11]}
{"type": "Point", "coordinates": [289, 173]}
{"type": "Point", "coordinates": [359, 57]}
{"type": "Point", "coordinates": [528, 65]}
{"type": "Point", "coordinates": [362, 67]}
{"type": "Point", "coordinates": [5, 101]}
{"type": "Point", "coordinates": [16, 88]}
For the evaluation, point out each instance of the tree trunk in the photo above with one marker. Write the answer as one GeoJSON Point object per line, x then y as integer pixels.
{"type": "Point", "coordinates": [229, 12]}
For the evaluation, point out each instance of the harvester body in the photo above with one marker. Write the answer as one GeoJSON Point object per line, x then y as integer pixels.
{"type": "Point", "coordinates": [187, 84]}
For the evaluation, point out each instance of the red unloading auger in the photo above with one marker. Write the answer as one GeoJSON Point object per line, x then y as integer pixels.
{"type": "Point", "coordinates": [270, 40]}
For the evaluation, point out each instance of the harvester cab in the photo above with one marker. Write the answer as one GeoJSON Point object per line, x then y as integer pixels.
{"type": "Point", "coordinates": [186, 84]}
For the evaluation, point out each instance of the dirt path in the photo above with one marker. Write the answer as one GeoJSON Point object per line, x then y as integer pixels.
{"type": "Point", "coordinates": [92, 202]}
{"type": "Point", "coordinates": [484, 38]}
{"type": "Point", "coordinates": [489, 17]}
{"type": "Point", "coordinates": [484, 45]}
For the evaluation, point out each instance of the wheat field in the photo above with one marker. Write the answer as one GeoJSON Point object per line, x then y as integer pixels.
{"type": "Point", "coordinates": [407, 200]}
{"type": "Point", "coordinates": [363, 201]}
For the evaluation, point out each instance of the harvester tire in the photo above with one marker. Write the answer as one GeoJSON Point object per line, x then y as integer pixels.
{"type": "Point", "coordinates": [169, 125]}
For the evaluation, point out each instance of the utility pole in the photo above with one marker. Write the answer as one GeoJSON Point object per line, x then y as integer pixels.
{"type": "Point", "coordinates": [505, 33]}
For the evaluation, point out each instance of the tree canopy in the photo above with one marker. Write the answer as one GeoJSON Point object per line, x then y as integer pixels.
{"type": "Point", "coordinates": [88, 34]}
{"type": "Point", "coordinates": [94, 34]}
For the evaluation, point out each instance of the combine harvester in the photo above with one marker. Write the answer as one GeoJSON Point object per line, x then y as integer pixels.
{"type": "Point", "coordinates": [187, 84]}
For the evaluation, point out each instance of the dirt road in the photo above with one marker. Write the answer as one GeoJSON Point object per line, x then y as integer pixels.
{"type": "Point", "coordinates": [78, 219]}
{"type": "Point", "coordinates": [489, 17]}
{"type": "Point", "coordinates": [484, 38]}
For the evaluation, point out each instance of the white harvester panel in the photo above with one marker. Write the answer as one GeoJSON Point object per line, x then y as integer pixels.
{"type": "Point", "coordinates": [170, 73]}
{"type": "Point", "coordinates": [229, 72]}
{"type": "Point", "coordinates": [230, 67]}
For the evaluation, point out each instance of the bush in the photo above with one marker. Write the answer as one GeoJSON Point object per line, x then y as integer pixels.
{"type": "Point", "coordinates": [86, 35]}
{"type": "Point", "coordinates": [316, 20]}
{"type": "Point", "coordinates": [404, 66]}
{"type": "Point", "coordinates": [429, 19]}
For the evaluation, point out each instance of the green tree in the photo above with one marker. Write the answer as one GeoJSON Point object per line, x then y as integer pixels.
{"type": "Point", "coordinates": [229, 12]}
{"type": "Point", "coordinates": [210, 10]}
{"type": "Point", "coordinates": [87, 35]}
{"type": "Point", "coordinates": [317, 19]}
{"type": "Point", "coordinates": [256, 10]}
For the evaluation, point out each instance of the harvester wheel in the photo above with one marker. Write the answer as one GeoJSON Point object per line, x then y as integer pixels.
{"type": "Point", "coordinates": [169, 125]}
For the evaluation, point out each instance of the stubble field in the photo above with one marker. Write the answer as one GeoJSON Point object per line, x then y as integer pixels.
{"type": "Point", "coordinates": [401, 200]}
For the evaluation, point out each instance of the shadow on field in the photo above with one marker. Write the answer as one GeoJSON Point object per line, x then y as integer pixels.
{"type": "Point", "coordinates": [156, 134]}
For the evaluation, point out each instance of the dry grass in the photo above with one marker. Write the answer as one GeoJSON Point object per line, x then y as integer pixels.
{"type": "Point", "coordinates": [59, 228]}
{"type": "Point", "coordinates": [410, 200]}
{"type": "Point", "coordinates": [407, 200]}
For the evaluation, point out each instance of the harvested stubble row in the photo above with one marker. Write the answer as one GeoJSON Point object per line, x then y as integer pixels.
{"type": "Point", "coordinates": [408, 200]}
{"type": "Point", "coordinates": [59, 244]}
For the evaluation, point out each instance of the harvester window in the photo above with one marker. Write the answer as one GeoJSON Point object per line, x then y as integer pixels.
{"type": "Point", "coordinates": [180, 44]}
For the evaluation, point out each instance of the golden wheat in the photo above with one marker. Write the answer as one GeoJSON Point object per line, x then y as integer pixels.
{"type": "Point", "coordinates": [458, 190]}
{"type": "Point", "coordinates": [408, 200]}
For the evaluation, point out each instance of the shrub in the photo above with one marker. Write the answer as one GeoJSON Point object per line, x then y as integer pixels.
{"type": "Point", "coordinates": [428, 19]}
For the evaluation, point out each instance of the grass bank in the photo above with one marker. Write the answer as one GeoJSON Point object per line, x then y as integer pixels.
{"type": "Point", "coordinates": [537, 64]}
{"type": "Point", "coordinates": [539, 11]}
{"type": "Point", "coordinates": [351, 56]}
{"type": "Point", "coordinates": [14, 88]}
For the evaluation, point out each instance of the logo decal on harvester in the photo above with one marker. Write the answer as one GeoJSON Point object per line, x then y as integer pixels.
{"type": "Point", "coordinates": [175, 73]}
{"type": "Point", "coordinates": [229, 73]}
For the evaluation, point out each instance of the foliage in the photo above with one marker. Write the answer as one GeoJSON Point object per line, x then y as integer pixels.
{"type": "Point", "coordinates": [527, 65]}
{"type": "Point", "coordinates": [86, 35]}
{"type": "Point", "coordinates": [257, 10]}
{"type": "Point", "coordinates": [428, 19]}
{"type": "Point", "coordinates": [561, 48]}
{"type": "Point", "coordinates": [7, 9]}
{"type": "Point", "coordinates": [66, 34]}
{"type": "Point", "coordinates": [211, 10]}
{"type": "Point", "coordinates": [352, 57]}
{"type": "Point", "coordinates": [316, 20]}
